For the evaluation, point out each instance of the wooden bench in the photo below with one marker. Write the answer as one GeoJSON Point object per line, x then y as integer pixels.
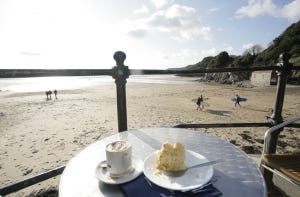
{"type": "Point", "coordinates": [286, 166]}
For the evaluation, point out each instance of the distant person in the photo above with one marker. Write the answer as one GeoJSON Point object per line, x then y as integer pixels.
{"type": "Point", "coordinates": [55, 93]}
{"type": "Point", "coordinates": [50, 94]}
{"type": "Point", "coordinates": [237, 100]}
{"type": "Point", "coordinates": [200, 103]}
{"type": "Point", "coordinates": [47, 95]}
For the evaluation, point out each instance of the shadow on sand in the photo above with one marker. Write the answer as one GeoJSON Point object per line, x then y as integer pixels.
{"type": "Point", "coordinates": [255, 109]}
{"type": "Point", "coordinates": [47, 192]}
{"type": "Point", "coordinates": [219, 112]}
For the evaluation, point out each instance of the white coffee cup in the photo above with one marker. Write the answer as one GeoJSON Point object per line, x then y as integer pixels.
{"type": "Point", "coordinates": [118, 157]}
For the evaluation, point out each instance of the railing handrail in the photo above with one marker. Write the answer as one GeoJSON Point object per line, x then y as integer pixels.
{"type": "Point", "coordinates": [89, 72]}
{"type": "Point", "coordinates": [30, 181]}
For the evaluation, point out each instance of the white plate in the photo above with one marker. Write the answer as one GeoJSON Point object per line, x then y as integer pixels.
{"type": "Point", "coordinates": [103, 175]}
{"type": "Point", "coordinates": [192, 179]}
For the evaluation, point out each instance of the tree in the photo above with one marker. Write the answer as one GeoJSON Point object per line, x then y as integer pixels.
{"type": "Point", "coordinates": [254, 50]}
{"type": "Point", "coordinates": [220, 61]}
{"type": "Point", "coordinates": [243, 61]}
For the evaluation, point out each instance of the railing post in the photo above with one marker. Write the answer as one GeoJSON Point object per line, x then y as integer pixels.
{"type": "Point", "coordinates": [120, 74]}
{"type": "Point", "coordinates": [276, 117]}
{"type": "Point", "coordinates": [283, 74]}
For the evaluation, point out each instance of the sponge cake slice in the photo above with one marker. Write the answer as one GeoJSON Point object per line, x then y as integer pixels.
{"type": "Point", "coordinates": [171, 157]}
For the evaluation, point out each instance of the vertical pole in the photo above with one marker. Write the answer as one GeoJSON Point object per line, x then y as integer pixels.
{"type": "Point", "coordinates": [276, 117]}
{"type": "Point", "coordinates": [120, 74]}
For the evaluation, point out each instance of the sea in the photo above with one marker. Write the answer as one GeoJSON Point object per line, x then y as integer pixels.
{"type": "Point", "coordinates": [38, 84]}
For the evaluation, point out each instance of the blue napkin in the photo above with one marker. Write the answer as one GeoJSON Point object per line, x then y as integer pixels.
{"type": "Point", "coordinates": [141, 186]}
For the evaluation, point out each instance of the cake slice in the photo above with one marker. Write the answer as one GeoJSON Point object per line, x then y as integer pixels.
{"type": "Point", "coordinates": [171, 157]}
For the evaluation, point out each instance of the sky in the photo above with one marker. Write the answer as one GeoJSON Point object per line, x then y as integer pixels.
{"type": "Point", "coordinates": [154, 34]}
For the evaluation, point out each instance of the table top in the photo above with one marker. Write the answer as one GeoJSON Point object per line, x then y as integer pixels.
{"type": "Point", "coordinates": [238, 175]}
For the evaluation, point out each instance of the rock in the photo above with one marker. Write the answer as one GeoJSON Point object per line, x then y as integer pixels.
{"type": "Point", "coordinates": [261, 141]}
{"type": "Point", "coordinates": [45, 192]}
{"type": "Point", "coordinates": [251, 149]}
{"type": "Point", "coordinates": [34, 151]}
{"type": "Point", "coordinates": [28, 171]}
{"type": "Point", "coordinates": [233, 142]}
{"type": "Point", "coordinates": [226, 77]}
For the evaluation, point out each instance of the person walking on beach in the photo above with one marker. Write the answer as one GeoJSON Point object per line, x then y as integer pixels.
{"type": "Point", "coordinates": [47, 95]}
{"type": "Point", "coordinates": [50, 93]}
{"type": "Point", "coordinates": [200, 103]}
{"type": "Point", "coordinates": [55, 93]}
{"type": "Point", "coordinates": [237, 100]}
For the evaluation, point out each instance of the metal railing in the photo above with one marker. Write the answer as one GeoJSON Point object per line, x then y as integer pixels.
{"type": "Point", "coordinates": [121, 72]}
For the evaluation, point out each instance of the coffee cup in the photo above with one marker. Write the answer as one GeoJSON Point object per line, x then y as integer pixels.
{"type": "Point", "coordinates": [118, 157]}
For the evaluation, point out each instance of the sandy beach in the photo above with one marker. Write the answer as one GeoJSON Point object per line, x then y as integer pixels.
{"type": "Point", "coordinates": [38, 134]}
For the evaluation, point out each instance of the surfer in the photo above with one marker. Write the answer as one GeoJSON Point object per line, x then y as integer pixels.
{"type": "Point", "coordinates": [200, 103]}
{"type": "Point", "coordinates": [55, 93]}
{"type": "Point", "coordinates": [47, 94]}
{"type": "Point", "coordinates": [237, 100]}
{"type": "Point", "coordinates": [50, 93]}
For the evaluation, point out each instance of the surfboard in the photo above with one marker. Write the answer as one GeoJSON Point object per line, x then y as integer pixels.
{"type": "Point", "coordinates": [241, 99]}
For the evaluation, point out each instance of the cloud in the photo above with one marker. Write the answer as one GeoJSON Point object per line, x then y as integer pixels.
{"type": "Point", "coordinates": [248, 45]}
{"type": "Point", "coordinates": [210, 52]}
{"type": "Point", "coordinates": [256, 8]}
{"type": "Point", "coordinates": [215, 51]}
{"type": "Point", "coordinates": [179, 19]}
{"type": "Point", "coordinates": [28, 53]}
{"type": "Point", "coordinates": [228, 48]}
{"type": "Point", "coordinates": [291, 11]}
{"type": "Point", "coordinates": [179, 58]}
{"type": "Point", "coordinates": [185, 53]}
{"type": "Point", "coordinates": [142, 10]}
{"type": "Point", "coordinates": [161, 3]}
{"type": "Point", "coordinates": [138, 33]}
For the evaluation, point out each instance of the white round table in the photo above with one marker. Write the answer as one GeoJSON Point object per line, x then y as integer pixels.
{"type": "Point", "coordinates": [238, 175]}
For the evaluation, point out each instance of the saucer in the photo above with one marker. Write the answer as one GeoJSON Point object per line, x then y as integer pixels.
{"type": "Point", "coordinates": [103, 175]}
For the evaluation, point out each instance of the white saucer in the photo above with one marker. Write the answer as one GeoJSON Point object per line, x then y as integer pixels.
{"type": "Point", "coordinates": [103, 175]}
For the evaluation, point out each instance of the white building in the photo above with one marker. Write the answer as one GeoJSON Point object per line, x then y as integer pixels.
{"type": "Point", "coordinates": [263, 78]}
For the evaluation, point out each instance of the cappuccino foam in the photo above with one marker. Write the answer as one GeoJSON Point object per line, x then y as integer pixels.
{"type": "Point", "coordinates": [117, 146]}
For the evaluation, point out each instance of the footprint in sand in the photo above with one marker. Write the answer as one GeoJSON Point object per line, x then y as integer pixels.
{"type": "Point", "coordinates": [34, 151]}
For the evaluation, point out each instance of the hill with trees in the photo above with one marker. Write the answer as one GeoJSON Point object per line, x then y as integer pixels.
{"type": "Point", "coordinates": [288, 41]}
